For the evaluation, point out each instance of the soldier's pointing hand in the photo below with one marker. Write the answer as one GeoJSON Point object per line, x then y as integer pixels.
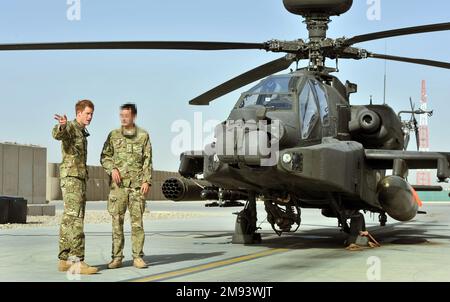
{"type": "Point", "coordinates": [62, 120]}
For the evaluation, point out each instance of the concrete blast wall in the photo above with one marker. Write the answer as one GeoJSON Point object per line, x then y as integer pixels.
{"type": "Point", "coordinates": [98, 183]}
{"type": "Point", "coordinates": [23, 172]}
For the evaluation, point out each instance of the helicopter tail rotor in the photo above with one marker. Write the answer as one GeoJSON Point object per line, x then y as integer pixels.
{"type": "Point", "coordinates": [412, 124]}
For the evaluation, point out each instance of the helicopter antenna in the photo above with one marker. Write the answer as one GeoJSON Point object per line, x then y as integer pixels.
{"type": "Point", "coordinates": [385, 75]}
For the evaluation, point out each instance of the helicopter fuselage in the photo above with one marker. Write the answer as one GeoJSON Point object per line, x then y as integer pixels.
{"type": "Point", "coordinates": [316, 151]}
{"type": "Point", "coordinates": [295, 141]}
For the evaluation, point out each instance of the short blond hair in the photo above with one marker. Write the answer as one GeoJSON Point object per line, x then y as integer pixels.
{"type": "Point", "coordinates": [81, 105]}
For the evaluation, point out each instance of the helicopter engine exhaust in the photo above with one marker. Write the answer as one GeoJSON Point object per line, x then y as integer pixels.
{"type": "Point", "coordinates": [376, 127]}
{"type": "Point", "coordinates": [184, 189]}
{"type": "Point", "coordinates": [366, 121]}
{"type": "Point", "coordinates": [397, 198]}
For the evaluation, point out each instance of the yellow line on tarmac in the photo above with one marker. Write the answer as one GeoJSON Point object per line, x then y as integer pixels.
{"type": "Point", "coordinates": [207, 266]}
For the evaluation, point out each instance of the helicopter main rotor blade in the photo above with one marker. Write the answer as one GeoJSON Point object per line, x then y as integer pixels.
{"type": "Point", "coordinates": [244, 79]}
{"type": "Point", "coordinates": [398, 32]}
{"type": "Point", "coordinates": [175, 45]}
{"type": "Point", "coordinates": [411, 60]}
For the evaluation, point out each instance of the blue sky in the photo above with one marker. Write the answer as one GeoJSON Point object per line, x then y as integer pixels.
{"type": "Point", "coordinates": [35, 85]}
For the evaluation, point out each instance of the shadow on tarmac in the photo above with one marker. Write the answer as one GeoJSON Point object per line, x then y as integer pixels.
{"type": "Point", "coordinates": [333, 238]}
{"type": "Point", "coordinates": [154, 260]}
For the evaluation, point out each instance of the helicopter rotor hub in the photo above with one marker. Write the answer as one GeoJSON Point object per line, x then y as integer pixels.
{"type": "Point", "coordinates": [317, 27]}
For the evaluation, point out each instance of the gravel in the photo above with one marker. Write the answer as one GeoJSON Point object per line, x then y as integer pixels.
{"type": "Point", "coordinates": [98, 217]}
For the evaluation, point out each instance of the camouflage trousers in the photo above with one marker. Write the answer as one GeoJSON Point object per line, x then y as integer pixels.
{"type": "Point", "coordinates": [119, 200]}
{"type": "Point", "coordinates": [71, 234]}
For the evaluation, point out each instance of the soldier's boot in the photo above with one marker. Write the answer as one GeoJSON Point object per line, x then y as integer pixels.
{"type": "Point", "coordinates": [115, 263]}
{"type": "Point", "coordinates": [64, 265]}
{"type": "Point", "coordinates": [86, 269]}
{"type": "Point", "coordinates": [139, 263]}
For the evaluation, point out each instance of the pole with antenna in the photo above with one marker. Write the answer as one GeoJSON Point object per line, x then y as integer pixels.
{"type": "Point", "coordinates": [385, 75]}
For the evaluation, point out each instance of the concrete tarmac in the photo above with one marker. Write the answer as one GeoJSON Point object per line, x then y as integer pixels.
{"type": "Point", "coordinates": [198, 248]}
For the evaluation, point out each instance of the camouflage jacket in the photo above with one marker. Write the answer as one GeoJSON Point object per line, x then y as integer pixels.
{"type": "Point", "coordinates": [74, 149]}
{"type": "Point", "coordinates": [131, 154]}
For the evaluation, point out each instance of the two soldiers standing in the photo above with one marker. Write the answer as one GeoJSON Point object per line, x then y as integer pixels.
{"type": "Point", "coordinates": [127, 158]}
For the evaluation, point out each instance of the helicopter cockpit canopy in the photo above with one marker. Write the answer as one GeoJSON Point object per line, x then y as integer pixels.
{"type": "Point", "coordinates": [273, 93]}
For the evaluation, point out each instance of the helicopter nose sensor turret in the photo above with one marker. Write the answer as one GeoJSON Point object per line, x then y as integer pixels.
{"type": "Point", "coordinates": [322, 7]}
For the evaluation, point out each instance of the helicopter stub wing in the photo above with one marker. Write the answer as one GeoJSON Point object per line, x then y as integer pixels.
{"type": "Point", "coordinates": [384, 159]}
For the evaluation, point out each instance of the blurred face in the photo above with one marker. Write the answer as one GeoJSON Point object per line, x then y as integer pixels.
{"type": "Point", "coordinates": [84, 117]}
{"type": "Point", "coordinates": [127, 118]}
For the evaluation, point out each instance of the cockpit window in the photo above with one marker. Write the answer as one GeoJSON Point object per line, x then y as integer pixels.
{"type": "Point", "coordinates": [274, 92]}
{"type": "Point", "coordinates": [309, 113]}
{"type": "Point", "coordinates": [323, 103]}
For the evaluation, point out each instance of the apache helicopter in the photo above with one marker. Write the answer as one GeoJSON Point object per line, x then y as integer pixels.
{"type": "Point", "coordinates": [331, 155]}
{"type": "Point", "coordinates": [294, 140]}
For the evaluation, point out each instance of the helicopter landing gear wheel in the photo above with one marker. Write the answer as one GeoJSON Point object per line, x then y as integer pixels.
{"type": "Point", "coordinates": [245, 227]}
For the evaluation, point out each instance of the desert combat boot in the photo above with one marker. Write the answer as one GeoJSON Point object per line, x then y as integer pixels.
{"type": "Point", "coordinates": [139, 263]}
{"type": "Point", "coordinates": [64, 265]}
{"type": "Point", "coordinates": [115, 263]}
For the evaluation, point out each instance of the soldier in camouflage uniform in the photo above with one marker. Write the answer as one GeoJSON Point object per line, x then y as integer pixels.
{"type": "Point", "coordinates": [73, 173]}
{"type": "Point", "coordinates": [127, 158]}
